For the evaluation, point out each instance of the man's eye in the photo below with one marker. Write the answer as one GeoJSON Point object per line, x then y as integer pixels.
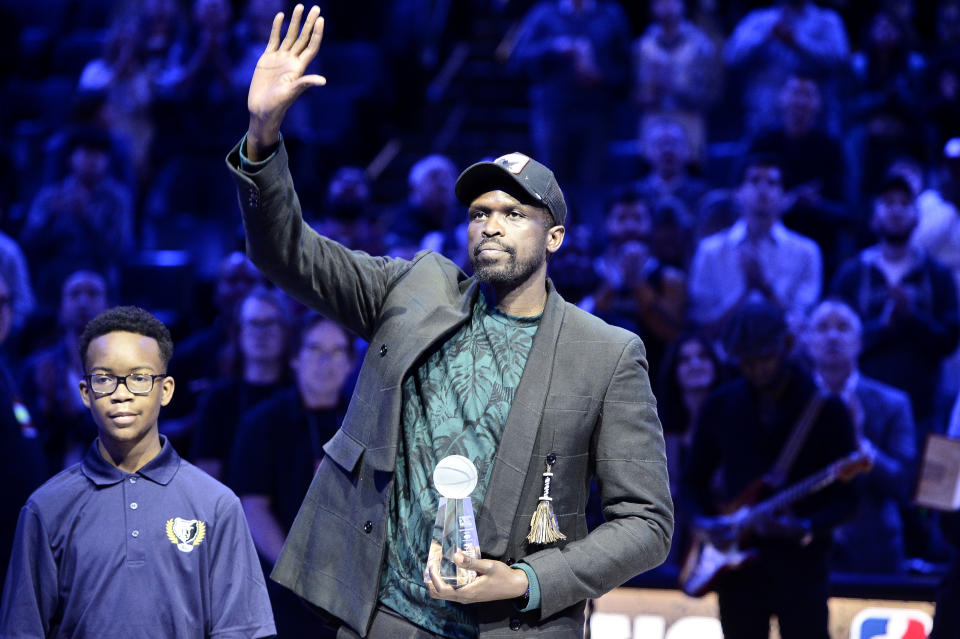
{"type": "Point", "coordinates": [102, 379]}
{"type": "Point", "coordinates": [139, 379]}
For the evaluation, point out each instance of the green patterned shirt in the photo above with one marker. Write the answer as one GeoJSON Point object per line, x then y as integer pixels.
{"type": "Point", "coordinates": [455, 402]}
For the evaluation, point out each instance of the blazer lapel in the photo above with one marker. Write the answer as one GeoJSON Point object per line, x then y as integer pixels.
{"type": "Point", "coordinates": [502, 498]}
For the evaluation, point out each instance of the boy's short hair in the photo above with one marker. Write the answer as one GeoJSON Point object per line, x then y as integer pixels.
{"type": "Point", "coordinates": [130, 319]}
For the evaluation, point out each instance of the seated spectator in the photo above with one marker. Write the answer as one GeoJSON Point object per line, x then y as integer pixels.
{"type": "Point", "coordinates": [689, 372]}
{"type": "Point", "coordinates": [637, 291]}
{"type": "Point", "coordinates": [260, 349]}
{"type": "Point", "coordinates": [121, 76]}
{"type": "Point", "coordinates": [885, 106]}
{"type": "Point", "coordinates": [83, 221]}
{"type": "Point", "coordinates": [907, 301]}
{"type": "Point", "coordinates": [572, 269]}
{"type": "Point", "coordinates": [667, 151]}
{"type": "Point", "coordinates": [872, 541]}
{"type": "Point", "coordinates": [50, 376]}
{"type": "Point", "coordinates": [348, 212]}
{"type": "Point", "coordinates": [577, 56]}
{"type": "Point", "coordinates": [22, 463]}
{"type": "Point", "coordinates": [814, 172]}
{"type": "Point", "coordinates": [771, 43]}
{"type": "Point", "coordinates": [203, 358]}
{"type": "Point", "coordinates": [757, 257]}
{"type": "Point", "coordinates": [13, 267]}
{"type": "Point", "coordinates": [676, 72]}
{"type": "Point", "coordinates": [279, 446]}
{"type": "Point", "coordinates": [938, 233]}
{"type": "Point", "coordinates": [431, 207]}
{"type": "Point", "coordinates": [670, 232]}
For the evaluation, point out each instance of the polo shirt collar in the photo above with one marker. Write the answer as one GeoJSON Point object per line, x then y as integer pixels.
{"type": "Point", "coordinates": [160, 469]}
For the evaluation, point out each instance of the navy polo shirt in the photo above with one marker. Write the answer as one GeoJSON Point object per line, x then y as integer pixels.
{"type": "Point", "coordinates": [163, 552]}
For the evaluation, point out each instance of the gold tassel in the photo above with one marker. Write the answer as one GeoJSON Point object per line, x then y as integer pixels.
{"type": "Point", "coordinates": [543, 524]}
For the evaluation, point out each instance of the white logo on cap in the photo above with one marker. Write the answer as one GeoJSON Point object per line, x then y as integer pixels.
{"type": "Point", "coordinates": [513, 162]}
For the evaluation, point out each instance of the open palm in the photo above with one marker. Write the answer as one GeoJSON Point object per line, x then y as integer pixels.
{"type": "Point", "coordinates": [279, 77]}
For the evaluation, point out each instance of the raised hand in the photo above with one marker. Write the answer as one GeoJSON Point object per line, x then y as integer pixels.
{"type": "Point", "coordinates": [279, 77]}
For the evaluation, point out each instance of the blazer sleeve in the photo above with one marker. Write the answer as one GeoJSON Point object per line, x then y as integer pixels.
{"type": "Point", "coordinates": [631, 474]}
{"type": "Point", "coordinates": [347, 286]}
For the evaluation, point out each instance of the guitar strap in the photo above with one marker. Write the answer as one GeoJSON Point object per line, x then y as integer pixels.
{"type": "Point", "coordinates": [781, 468]}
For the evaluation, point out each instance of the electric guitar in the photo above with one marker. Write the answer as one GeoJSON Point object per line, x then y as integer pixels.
{"type": "Point", "coordinates": [709, 558]}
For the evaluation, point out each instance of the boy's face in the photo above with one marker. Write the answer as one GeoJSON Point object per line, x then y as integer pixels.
{"type": "Point", "coordinates": [123, 417]}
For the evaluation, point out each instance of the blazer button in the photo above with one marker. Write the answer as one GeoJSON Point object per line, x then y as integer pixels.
{"type": "Point", "coordinates": [514, 624]}
{"type": "Point", "coordinates": [510, 561]}
{"type": "Point", "coordinates": [367, 526]}
{"type": "Point", "coordinates": [383, 350]}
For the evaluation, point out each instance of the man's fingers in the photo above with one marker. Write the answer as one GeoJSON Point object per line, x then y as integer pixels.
{"type": "Point", "coordinates": [308, 81]}
{"type": "Point", "coordinates": [306, 34]}
{"type": "Point", "coordinates": [314, 43]}
{"type": "Point", "coordinates": [274, 40]}
{"type": "Point", "coordinates": [293, 29]}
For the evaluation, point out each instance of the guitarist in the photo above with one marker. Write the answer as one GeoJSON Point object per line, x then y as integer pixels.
{"type": "Point", "coordinates": [740, 438]}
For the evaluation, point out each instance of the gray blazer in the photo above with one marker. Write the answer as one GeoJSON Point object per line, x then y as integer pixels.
{"type": "Point", "coordinates": [584, 396]}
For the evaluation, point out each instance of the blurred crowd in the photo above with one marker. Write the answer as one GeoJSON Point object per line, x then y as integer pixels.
{"type": "Point", "coordinates": [801, 154]}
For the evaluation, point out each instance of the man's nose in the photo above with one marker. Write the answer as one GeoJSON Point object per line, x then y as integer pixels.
{"type": "Point", "coordinates": [492, 226]}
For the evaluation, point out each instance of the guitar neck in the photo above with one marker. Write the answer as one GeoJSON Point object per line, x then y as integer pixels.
{"type": "Point", "coordinates": [801, 489]}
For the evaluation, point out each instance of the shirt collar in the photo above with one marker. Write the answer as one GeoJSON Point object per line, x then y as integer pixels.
{"type": "Point", "coordinates": [160, 469]}
{"type": "Point", "coordinates": [738, 232]}
{"type": "Point", "coordinates": [848, 387]}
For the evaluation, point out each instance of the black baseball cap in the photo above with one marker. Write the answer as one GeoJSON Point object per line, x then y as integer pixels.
{"type": "Point", "coordinates": [517, 174]}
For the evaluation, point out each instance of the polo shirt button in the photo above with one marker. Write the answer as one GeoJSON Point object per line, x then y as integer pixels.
{"type": "Point", "coordinates": [135, 533]}
{"type": "Point", "coordinates": [367, 526]}
{"type": "Point", "coordinates": [133, 506]}
{"type": "Point", "coordinates": [514, 624]}
{"type": "Point", "coordinates": [133, 480]}
{"type": "Point", "coordinates": [383, 350]}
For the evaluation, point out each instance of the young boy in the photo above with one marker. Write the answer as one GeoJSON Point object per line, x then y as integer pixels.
{"type": "Point", "coordinates": [133, 541]}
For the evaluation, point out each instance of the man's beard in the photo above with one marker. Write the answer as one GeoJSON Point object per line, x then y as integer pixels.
{"type": "Point", "coordinates": [504, 274]}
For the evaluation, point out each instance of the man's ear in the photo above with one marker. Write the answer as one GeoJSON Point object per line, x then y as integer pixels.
{"type": "Point", "coordinates": [86, 396]}
{"type": "Point", "coordinates": [555, 235]}
{"type": "Point", "coordinates": [166, 390]}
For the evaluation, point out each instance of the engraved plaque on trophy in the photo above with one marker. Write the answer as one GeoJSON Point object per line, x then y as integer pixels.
{"type": "Point", "coordinates": [455, 528]}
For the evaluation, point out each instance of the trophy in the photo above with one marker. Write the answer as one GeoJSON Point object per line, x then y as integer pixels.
{"type": "Point", "coordinates": [455, 528]}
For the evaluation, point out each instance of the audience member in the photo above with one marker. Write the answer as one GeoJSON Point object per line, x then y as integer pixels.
{"type": "Point", "coordinates": [690, 371]}
{"type": "Point", "coordinates": [756, 257]}
{"type": "Point", "coordinates": [907, 301]}
{"type": "Point", "coordinates": [83, 221]}
{"type": "Point", "coordinates": [431, 207]}
{"type": "Point", "coordinates": [122, 77]}
{"type": "Point", "coordinates": [771, 424]}
{"type": "Point", "coordinates": [279, 446]}
{"type": "Point", "coordinates": [92, 555]}
{"type": "Point", "coordinates": [884, 105]}
{"type": "Point", "coordinates": [676, 72]}
{"type": "Point", "coordinates": [22, 464]}
{"type": "Point", "coordinates": [637, 291]}
{"type": "Point", "coordinates": [13, 268]}
{"type": "Point", "coordinates": [770, 44]}
{"type": "Point", "coordinates": [813, 172]}
{"type": "Point", "coordinates": [577, 54]}
{"type": "Point", "coordinates": [946, 621]}
{"type": "Point", "coordinates": [50, 376]}
{"type": "Point", "coordinates": [203, 358]}
{"type": "Point", "coordinates": [872, 541]}
{"type": "Point", "coordinates": [667, 151]}
{"type": "Point", "coordinates": [259, 370]}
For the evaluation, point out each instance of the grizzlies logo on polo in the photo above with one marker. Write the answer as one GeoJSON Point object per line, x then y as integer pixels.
{"type": "Point", "coordinates": [186, 534]}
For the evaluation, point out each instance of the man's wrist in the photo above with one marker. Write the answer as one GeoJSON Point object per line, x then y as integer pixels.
{"type": "Point", "coordinates": [262, 139]}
